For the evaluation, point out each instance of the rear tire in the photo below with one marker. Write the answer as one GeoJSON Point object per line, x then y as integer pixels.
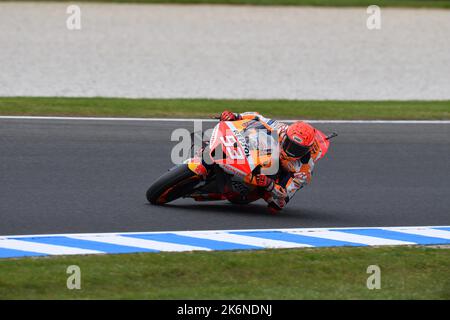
{"type": "Point", "coordinates": [172, 185]}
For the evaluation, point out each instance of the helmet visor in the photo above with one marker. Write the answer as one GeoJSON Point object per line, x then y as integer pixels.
{"type": "Point", "coordinates": [293, 149]}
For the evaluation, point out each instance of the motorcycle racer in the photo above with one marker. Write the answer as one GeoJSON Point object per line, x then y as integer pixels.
{"type": "Point", "coordinates": [297, 158]}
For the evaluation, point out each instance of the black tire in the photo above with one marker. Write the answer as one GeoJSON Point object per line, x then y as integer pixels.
{"type": "Point", "coordinates": [180, 181]}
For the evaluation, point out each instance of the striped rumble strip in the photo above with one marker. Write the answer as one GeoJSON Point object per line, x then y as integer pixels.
{"type": "Point", "coordinates": [111, 243]}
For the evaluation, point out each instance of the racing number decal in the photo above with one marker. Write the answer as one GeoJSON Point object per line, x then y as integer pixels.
{"type": "Point", "coordinates": [229, 142]}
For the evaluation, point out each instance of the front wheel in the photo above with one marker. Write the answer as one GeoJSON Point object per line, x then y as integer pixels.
{"type": "Point", "coordinates": [172, 185]}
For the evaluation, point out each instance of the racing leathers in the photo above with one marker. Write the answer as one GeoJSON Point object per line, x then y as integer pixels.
{"type": "Point", "coordinates": [292, 175]}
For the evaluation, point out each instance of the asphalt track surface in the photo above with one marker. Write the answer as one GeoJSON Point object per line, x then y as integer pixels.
{"type": "Point", "coordinates": [59, 176]}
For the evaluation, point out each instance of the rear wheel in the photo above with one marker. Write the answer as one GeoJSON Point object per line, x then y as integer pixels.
{"type": "Point", "coordinates": [172, 185]}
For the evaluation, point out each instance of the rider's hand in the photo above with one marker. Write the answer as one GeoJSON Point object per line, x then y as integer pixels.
{"type": "Point", "coordinates": [279, 194]}
{"type": "Point", "coordinates": [276, 195]}
{"type": "Point", "coordinates": [228, 116]}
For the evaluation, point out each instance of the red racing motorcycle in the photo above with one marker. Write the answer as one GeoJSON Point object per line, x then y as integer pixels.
{"type": "Point", "coordinates": [223, 167]}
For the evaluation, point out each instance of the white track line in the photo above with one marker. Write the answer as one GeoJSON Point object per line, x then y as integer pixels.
{"type": "Point", "coordinates": [247, 240]}
{"type": "Point", "coordinates": [43, 248]}
{"type": "Point", "coordinates": [209, 231]}
{"type": "Point", "coordinates": [355, 238]}
{"type": "Point", "coordinates": [140, 243]}
{"type": "Point", "coordinates": [214, 120]}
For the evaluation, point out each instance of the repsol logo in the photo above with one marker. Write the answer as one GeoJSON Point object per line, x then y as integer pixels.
{"type": "Point", "coordinates": [243, 142]}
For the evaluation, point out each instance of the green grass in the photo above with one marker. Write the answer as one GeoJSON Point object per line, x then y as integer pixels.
{"type": "Point", "coordinates": [117, 107]}
{"type": "Point", "coordinates": [327, 3]}
{"type": "Point", "coordinates": [327, 273]}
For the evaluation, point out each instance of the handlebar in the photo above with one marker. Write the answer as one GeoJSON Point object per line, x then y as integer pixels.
{"type": "Point", "coordinates": [331, 136]}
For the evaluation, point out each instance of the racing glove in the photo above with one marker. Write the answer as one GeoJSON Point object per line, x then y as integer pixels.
{"type": "Point", "coordinates": [228, 116]}
{"type": "Point", "coordinates": [276, 197]}
{"type": "Point", "coordinates": [279, 195]}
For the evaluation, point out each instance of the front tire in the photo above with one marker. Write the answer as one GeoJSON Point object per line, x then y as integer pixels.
{"type": "Point", "coordinates": [172, 185]}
